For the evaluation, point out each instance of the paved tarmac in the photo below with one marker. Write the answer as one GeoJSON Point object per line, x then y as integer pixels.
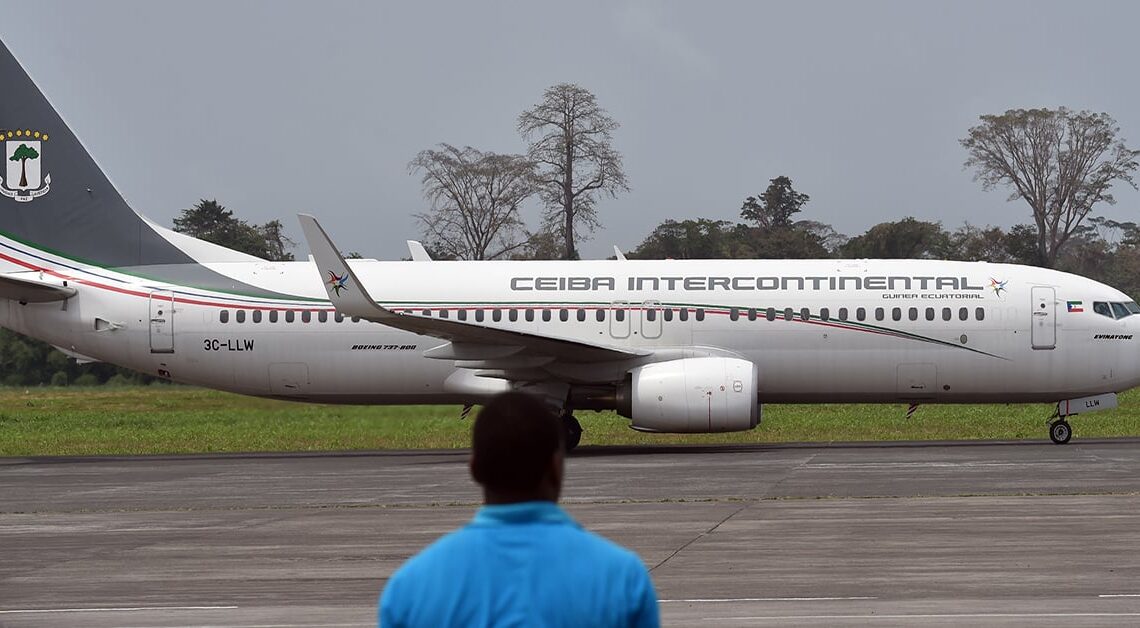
{"type": "Point", "coordinates": [904, 534]}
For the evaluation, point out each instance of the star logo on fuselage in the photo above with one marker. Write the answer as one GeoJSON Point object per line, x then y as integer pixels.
{"type": "Point", "coordinates": [337, 282]}
{"type": "Point", "coordinates": [998, 286]}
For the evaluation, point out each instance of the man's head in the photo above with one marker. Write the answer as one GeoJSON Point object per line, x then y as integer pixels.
{"type": "Point", "coordinates": [516, 450]}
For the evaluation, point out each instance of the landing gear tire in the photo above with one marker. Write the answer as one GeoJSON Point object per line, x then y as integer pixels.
{"type": "Point", "coordinates": [572, 431]}
{"type": "Point", "coordinates": [1060, 432]}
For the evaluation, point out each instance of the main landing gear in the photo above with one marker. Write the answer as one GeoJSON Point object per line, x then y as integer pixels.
{"type": "Point", "coordinates": [1060, 431]}
{"type": "Point", "coordinates": [572, 430]}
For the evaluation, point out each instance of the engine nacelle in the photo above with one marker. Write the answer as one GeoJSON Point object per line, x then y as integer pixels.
{"type": "Point", "coordinates": [692, 395]}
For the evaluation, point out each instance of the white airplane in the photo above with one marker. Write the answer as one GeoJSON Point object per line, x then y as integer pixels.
{"type": "Point", "coordinates": [676, 346]}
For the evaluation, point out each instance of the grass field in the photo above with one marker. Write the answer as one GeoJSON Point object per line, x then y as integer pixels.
{"type": "Point", "coordinates": [173, 419]}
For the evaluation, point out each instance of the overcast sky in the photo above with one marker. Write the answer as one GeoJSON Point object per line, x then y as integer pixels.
{"type": "Point", "coordinates": [279, 107]}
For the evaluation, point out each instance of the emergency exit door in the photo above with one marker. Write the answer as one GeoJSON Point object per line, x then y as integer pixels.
{"type": "Point", "coordinates": [162, 322]}
{"type": "Point", "coordinates": [1044, 318]}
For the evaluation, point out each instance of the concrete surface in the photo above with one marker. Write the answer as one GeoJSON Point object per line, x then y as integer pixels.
{"type": "Point", "coordinates": [889, 534]}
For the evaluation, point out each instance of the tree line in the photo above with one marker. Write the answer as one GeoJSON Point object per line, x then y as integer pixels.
{"type": "Point", "coordinates": [1061, 163]}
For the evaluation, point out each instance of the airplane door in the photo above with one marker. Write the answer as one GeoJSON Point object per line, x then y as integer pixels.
{"type": "Point", "coordinates": [619, 319]}
{"type": "Point", "coordinates": [651, 320]}
{"type": "Point", "coordinates": [1044, 330]}
{"type": "Point", "coordinates": [162, 322]}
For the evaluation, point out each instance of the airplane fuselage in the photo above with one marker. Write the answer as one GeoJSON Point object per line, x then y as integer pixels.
{"type": "Point", "coordinates": [818, 330]}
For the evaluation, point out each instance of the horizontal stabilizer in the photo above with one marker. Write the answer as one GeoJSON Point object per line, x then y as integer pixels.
{"type": "Point", "coordinates": [25, 289]}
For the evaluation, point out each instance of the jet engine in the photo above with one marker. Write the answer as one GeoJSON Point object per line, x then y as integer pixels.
{"type": "Point", "coordinates": [692, 395]}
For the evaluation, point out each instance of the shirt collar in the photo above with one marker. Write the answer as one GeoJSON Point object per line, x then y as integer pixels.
{"type": "Point", "coordinates": [522, 512]}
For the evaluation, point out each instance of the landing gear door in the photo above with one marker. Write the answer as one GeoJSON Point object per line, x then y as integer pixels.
{"type": "Point", "coordinates": [1044, 315]}
{"type": "Point", "coordinates": [162, 322]}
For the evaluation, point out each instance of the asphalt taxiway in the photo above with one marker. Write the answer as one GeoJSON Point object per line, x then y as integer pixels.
{"type": "Point", "coordinates": [880, 534]}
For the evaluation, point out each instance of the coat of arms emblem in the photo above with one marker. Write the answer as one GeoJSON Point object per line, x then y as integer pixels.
{"type": "Point", "coordinates": [24, 177]}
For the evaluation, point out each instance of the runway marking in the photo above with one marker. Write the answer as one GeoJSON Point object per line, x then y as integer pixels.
{"type": "Point", "coordinates": [1120, 595]}
{"type": "Point", "coordinates": [768, 599]}
{"type": "Point", "coordinates": [925, 616]}
{"type": "Point", "coordinates": [125, 609]}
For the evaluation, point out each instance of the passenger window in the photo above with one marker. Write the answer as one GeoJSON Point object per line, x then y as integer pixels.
{"type": "Point", "coordinates": [496, 315]}
{"type": "Point", "coordinates": [733, 314]}
{"type": "Point", "coordinates": [273, 316]}
{"type": "Point", "coordinates": [600, 314]}
{"type": "Point", "coordinates": [842, 313]}
{"type": "Point", "coordinates": [1120, 310]}
{"type": "Point", "coordinates": [564, 315]}
{"type": "Point", "coordinates": [305, 315]}
{"type": "Point", "coordinates": [581, 315]}
{"type": "Point", "coordinates": [896, 314]}
{"type": "Point", "coordinates": [788, 314]}
{"type": "Point", "coordinates": [947, 314]}
{"type": "Point", "coordinates": [668, 314]}
{"type": "Point", "coordinates": [338, 317]}
{"type": "Point", "coordinates": [824, 314]}
{"type": "Point", "coordinates": [700, 314]}
{"type": "Point", "coordinates": [770, 314]}
{"type": "Point", "coordinates": [256, 316]}
{"type": "Point", "coordinates": [805, 314]}
{"type": "Point", "coordinates": [912, 313]}
{"type": "Point", "coordinates": [880, 314]}
{"type": "Point", "coordinates": [546, 316]}
{"type": "Point", "coordinates": [513, 315]}
{"type": "Point", "coordinates": [290, 316]}
{"type": "Point", "coordinates": [323, 316]}
{"type": "Point", "coordinates": [461, 314]}
{"type": "Point", "coordinates": [929, 313]}
{"type": "Point", "coordinates": [751, 313]}
{"type": "Point", "coordinates": [356, 319]}
{"type": "Point", "coordinates": [860, 314]}
{"type": "Point", "coordinates": [650, 314]}
{"type": "Point", "coordinates": [963, 313]}
{"type": "Point", "coordinates": [619, 315]}
{"type": "Point", "coordinates": [980, 313]}
{"type": "Point", "coordinates": [224, 316]}
{"type": "Point", "coordinates": [683, 314]}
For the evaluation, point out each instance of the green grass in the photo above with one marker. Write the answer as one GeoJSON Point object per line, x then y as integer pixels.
{"type": "Point", "coordinates": [173, 419]}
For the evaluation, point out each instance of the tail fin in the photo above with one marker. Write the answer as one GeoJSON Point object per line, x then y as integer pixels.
{"type": "Point", "coordinates": [53, 196]}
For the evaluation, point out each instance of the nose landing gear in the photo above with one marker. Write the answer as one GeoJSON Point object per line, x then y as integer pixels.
{"type": "Point", "coordinates": [1059, 429]}
{"type": "Point", "coordinates": [1060, 432]}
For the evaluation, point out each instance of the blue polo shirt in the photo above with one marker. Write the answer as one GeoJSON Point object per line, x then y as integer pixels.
{"type": "Point", "coordinates": [526, 564]}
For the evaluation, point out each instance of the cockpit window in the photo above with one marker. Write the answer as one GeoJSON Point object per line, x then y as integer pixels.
{"type": "Point", "coordinates": [1132, 307]}
{"type": "Point", "coordinates": [1102, 308]}
{"type": "Point", "coordinates": [1120, 310]}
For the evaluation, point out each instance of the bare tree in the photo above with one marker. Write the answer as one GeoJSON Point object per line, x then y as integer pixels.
{"type": "Point", "coordinates": [1061, 162]}
{"type": "Point", "coordinates": [475, 198]}
{"type": "Point", "coordinates": [570, 141]}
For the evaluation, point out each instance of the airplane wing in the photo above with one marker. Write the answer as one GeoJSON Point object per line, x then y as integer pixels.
{"type": "Point", "coordinates": [25, 289]}
{"type": "Point", "coordinates": [470, 341]}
